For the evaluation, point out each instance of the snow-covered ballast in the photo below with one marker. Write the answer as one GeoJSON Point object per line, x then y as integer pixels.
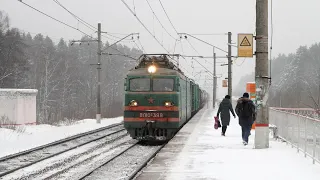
{"type": "Point", "coordinates": [17, 106]}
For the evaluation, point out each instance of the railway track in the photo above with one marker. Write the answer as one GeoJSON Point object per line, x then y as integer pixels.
{"type": "Point", "coordinates": [71, 164]}
{"type": "Point", "coordinates": [20, 161]}
{"type": "Point", "coordinates": [125, 164]}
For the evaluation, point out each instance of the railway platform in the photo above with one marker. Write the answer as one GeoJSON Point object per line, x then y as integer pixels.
{"type": "Point", "coordinates": [199, 151]}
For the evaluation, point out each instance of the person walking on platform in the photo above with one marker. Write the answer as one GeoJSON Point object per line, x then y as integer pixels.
{"type": "Point", "coordinates": [224, 108]}
{"type": "Point", "coordinates": [245, 110]}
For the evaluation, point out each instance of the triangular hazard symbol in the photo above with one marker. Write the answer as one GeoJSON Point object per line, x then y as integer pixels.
{"type": "Point", "coordinates": [245, 42]}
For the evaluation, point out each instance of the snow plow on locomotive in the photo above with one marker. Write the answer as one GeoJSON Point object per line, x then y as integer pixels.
{"type": "Point", "coordinates": [159, 99]}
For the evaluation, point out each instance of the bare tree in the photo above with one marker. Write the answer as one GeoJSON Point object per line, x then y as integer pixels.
{"type": "Point", "coordinates": [63, 74]}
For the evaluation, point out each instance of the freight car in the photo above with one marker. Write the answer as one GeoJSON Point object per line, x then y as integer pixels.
{"type": "Point", "coordinates": [159, 98]}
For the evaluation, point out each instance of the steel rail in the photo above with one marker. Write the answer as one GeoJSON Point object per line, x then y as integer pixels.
{"type": "Point", "coordinates": [56, 143]}
{"type": "Point", "coordinates": [108, 161]}
{"type": "Point", "coordinates": [145, 163]}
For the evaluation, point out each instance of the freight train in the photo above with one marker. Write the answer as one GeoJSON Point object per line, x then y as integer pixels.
{"type": "Point", "coordinates": [159, 98]}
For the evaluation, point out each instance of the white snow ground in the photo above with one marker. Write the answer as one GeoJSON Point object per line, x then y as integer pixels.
{"type": "Point", "coordinates": [207, 155]}
{"type": "Point", "coordinates": [37, 135]}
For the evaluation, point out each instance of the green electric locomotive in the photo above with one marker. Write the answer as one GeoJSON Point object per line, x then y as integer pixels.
{"type": "Point", "coordinates": [159, 98]}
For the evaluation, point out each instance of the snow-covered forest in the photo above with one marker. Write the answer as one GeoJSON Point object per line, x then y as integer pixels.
{"type": "Point", "coordinates": [62, 73]}
{"type": "Point", "coordinates": [295, 79]}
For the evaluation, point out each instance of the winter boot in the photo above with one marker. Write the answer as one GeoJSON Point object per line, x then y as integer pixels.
{"type": "Point", "coordinates": [245, 143]}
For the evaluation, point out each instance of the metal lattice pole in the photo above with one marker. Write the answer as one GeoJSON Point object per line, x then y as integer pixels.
{"type": "Point", "coordinates": [98, 115]}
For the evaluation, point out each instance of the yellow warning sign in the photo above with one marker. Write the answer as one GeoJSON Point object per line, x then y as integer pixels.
{"type": "Point", "coordinates": [245, 42]}
{"type": "Point", "coordinates": [245, 45]}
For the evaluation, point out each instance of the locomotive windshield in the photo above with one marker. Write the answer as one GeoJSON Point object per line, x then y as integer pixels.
{"type": "Point", "coordinates": [163, 84]}
{"type": "Point", "coordinates": [158, 84]}
{"type": "Point", "coordinates": [140, 84]}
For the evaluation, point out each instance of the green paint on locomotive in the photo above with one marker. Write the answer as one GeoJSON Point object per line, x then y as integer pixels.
{"type": "Point", "coordinates": [185, 96]}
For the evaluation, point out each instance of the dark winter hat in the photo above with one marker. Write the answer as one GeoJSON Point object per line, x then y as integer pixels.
{"type": "Point", "coordinates": [246, 95]}
{"type": "Point", "coordinates": [227, 97]}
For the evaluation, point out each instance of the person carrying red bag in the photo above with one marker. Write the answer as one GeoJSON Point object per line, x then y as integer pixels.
{"type": "Point", "coordinates": [224, 108]}
{"type": "Point", "coordinates": [216, 122]}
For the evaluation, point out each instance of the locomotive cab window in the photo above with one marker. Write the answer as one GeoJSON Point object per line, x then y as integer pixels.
{"type": "Point", "coordinates": [140, 84]}
{"type": "Point", "coordinates": [163, 84]}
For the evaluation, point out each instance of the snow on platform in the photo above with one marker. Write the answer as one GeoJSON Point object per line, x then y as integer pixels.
{"type": "Point", "coordinates": [199, 151]}
{"type": "Point", "coordinates": [36, 135]}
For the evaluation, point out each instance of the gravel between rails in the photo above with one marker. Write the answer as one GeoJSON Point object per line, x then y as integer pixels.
{"type": "Point", "coordinates": [24, 159]}
{"type": "Point", "coordinates": [74, 172]}
{"type": "Point", "coordinates": [125, 165]}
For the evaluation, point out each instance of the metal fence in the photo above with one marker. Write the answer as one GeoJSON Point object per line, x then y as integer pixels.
{"type": "Point", "coordinates": [298, 127]}
{"type": "Point", "coordinates": [302, 111]}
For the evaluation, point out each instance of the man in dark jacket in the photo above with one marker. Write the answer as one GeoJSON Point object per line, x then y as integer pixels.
{"type": "Point", "coordinates": [246, 112]}
{"type": "Point", "coordinates": [224, 108]}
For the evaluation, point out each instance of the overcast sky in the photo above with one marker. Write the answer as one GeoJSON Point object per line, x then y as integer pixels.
{"type": "Point", "coordinates": [295, 23]}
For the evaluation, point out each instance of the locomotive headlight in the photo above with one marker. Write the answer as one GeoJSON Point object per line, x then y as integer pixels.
{"type": "Point", "coordinates": [133, 103]}
{"type": "Point", "coordinates": [168, 104]}
{"type": "Point", "coordinates": [152, 69]}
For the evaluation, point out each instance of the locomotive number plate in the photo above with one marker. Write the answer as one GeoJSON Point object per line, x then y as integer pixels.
{"type": "Point", "coordinates": [151, 115]}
